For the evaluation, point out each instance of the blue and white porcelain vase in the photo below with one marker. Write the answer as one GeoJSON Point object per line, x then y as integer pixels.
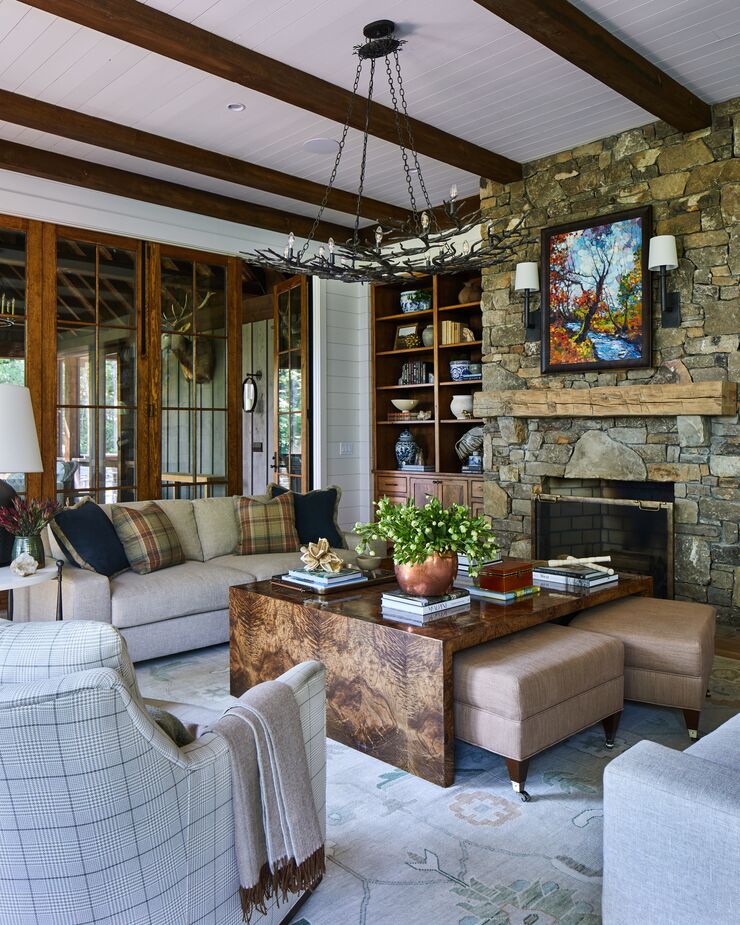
{"type": "Point", "coordinates": [406, 448]}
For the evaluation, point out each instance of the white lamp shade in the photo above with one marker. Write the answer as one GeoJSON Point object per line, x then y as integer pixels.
{"type": "Point", "coordinates": [662, 252]}
{"type": "Point", "coordinates": [19, 445]}
{"type": "Point", "coordinates": [527, 276]}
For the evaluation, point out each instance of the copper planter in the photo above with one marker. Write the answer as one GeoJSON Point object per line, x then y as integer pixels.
{"type": "Point", "coordinates": [429, 578]}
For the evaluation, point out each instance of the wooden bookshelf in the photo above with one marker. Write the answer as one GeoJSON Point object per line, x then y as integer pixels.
{"type": "Point", "coordinates": [438, 435]}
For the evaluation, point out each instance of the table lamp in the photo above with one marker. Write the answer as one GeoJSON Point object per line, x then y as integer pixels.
{"type": "Point", "coordinates": [19, 448]}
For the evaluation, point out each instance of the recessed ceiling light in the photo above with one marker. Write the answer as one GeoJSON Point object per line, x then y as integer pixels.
{"type": "Point", "coordinates": [236, 107]}
{"type": "Point", "coordinates": [321, 146]}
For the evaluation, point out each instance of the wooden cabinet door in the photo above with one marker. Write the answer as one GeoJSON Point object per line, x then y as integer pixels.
{"type": "Point", "coordinates": [454, 491]}
{"type": "Point", "coordinates": [422, 489]}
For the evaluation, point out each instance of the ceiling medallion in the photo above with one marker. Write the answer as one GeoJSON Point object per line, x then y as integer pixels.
{"type": "Point", "coordinates": [431, 241]}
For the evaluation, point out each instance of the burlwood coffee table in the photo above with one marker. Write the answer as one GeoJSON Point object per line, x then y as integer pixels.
{"type": "Point", "coordinates": [389, 685]}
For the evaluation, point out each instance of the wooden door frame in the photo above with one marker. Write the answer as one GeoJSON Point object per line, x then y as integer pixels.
{"type": "Point", "coordinates": [306, 439]}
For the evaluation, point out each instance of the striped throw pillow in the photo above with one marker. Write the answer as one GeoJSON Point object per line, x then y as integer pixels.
{"type": "Point", "coordinates": [267, 526]}
{"type": "Point", "coordinates": [148, 537]}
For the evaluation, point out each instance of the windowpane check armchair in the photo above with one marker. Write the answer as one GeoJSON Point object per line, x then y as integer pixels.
{"type": "Point", "coordinates": [103, 819]}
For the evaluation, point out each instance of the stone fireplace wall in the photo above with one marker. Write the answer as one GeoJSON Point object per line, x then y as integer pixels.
{"type": "Point", "coordinates": [693, 184]}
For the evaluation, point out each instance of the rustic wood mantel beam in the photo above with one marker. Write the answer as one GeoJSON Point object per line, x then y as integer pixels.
{"type": "Point", "coordinates": [564, 29]}
{"type": "Point", "coordinates": [52, 166]}
{"type": "Point", "coordinates": [68, 123]}
{"type": "Point", "coordinates": [174, 38]}
{"type": "Point", "coordinates": [708, 398]}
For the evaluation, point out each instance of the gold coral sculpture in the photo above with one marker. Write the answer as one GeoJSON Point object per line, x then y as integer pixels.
{"type": "Point", "coordinates": [319, 557]}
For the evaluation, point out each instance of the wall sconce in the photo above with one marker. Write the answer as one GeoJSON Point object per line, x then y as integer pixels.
{"type": "Point", "coordinates": [249, 391]}
{"type": "Point", "coordinates": [662, 257]}
{"type": "Point", "coordinates": [527, 280]}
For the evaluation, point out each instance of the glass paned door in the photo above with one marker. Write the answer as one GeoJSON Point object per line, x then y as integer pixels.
{"type": "Point", "coordinates": [97, 285]}
{"type": "Point", "coordinates": [292, 449]}
{"type": "Point", "coordinates": [194, 377]}
{"type": "Point", "coordinates": [13, 320]}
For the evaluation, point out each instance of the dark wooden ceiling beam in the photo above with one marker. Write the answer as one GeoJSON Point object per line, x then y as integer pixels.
{"type": "Point", "coordinates": [564, 29]}
{"type": "Point", "coordinates": [174, 38]}
{"type": "Point", "coordinates": [52, 166]}
{"type": "Point", "coordinates": [77, 126]}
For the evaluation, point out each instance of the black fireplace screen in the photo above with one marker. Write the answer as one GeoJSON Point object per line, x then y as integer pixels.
{"type": "Point", "coordinates": [638, 535]}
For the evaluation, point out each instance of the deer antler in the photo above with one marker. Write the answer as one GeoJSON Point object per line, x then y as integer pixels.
{"type": "Point", "coordinates": [177, 316]}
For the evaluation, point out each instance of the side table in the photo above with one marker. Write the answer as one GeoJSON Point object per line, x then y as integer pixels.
{"type": "Point", "coordinates": [10, 582]}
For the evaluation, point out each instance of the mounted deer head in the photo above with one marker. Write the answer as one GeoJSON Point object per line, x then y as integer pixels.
{"type": "Point", "coordinates": [182, 345]}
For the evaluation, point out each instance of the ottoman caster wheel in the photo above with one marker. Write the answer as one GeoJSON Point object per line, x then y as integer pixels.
{"type": "Point", "coordinates": [610, 745]}
{"type": "Point", "coordinates": [524, 796]}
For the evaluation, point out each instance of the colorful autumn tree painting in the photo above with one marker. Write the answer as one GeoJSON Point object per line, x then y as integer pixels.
{"type": "Point", "coordinates": [596, 294]}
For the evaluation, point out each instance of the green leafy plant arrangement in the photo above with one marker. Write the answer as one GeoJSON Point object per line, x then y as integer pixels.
{"type": "Point", "coordinates": [420, 532]}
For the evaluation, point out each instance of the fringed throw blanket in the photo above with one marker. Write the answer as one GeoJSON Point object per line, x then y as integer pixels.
{"type": "Point", "coordinates": [278, 841]}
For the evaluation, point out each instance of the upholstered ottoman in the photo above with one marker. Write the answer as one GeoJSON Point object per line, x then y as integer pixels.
{"type": "Point", "coordinates": [668, 649]}
{"type": "Point", "coordinates": [521, 694]}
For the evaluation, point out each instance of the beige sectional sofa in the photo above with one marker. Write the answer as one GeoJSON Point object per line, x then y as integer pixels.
{"type": "Point", "coordinates": [176, 609]}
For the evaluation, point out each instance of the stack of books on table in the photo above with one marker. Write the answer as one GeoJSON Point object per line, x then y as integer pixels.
{"type": "Point", "coordinates": [503, 597]}
{"type": "Point", "coordinates": [572, 577]}
{"type": "Point", "coordinates": [323, 581]}
{"type": "Point", "coordinates": [464, 579]}
{"type": "Point", "coordinates": [408, 608]}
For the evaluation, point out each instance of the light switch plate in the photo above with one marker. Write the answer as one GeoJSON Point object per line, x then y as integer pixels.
{"type": "Point", "coordinates": [346, 449]}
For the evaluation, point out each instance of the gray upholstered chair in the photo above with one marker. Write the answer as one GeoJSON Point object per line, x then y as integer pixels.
{"type": "Point", "coordinates": [672, 833]}
{"type": "Point", "coordinates": [103, 819]}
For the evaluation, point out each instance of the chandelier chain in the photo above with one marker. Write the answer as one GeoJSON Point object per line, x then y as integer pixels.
{"type": "Point", "coordinates": [412, 143]}
{"type": "Point", "coordinates": [401, 141]}
{"type": "Point", "coordinates": [363, 163]}
{"type": "Point", "coordinates": [337, 159]}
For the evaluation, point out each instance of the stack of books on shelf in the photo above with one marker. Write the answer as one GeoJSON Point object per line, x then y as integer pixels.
{"type": "Point", "coordinates": [408, 608]}
{"type": "Point", "coordinates": [572, 577]}
{"type": "Point", "coordinates": [472, 469]}
{"type": "Point", "coordinates": [417, 467]}
{"type": "Point", "coordinates": [323, 581]}
{"type": "Point", "coordinates": [400, 416]}
{"type": "Point", "coordinates": [467, 376]}
{"type": "Point", "coordinates": [452, 332]}
{"type": "Point", "coordinates": [414, 373]}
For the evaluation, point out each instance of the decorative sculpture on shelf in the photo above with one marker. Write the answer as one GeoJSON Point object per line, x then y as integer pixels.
{"type": "Point", "coordinates": [319, 557]}
{"type": "Point", "coordinates": [470, 443]}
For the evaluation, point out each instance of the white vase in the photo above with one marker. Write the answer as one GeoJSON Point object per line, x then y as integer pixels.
{"type": "Point", "coordinates": [462, 406]}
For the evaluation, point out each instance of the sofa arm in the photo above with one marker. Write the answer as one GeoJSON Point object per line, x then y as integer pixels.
{"type": "Point", "coordinates": [671, 839]}
{"type": "Point", "coordinates": [85, 596]}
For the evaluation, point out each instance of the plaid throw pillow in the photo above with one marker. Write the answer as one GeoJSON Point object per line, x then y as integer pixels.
{"type": "Point", "coordinates": [267, 526]}
{"type": "Point", "coordinates": [149, 539]}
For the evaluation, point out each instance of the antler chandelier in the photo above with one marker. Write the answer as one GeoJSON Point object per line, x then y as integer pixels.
{"type": "Point", "coordinates": [393, 250]}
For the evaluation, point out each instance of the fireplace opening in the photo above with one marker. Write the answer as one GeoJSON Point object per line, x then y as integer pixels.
{"type": "Point", "coordinates": [630, 521]}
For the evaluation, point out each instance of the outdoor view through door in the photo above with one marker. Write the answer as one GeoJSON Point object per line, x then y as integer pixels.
{"type": "Point", "coordinates": [292, 392]}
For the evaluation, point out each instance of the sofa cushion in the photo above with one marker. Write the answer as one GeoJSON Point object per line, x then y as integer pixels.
{"type": "Point", "coordinates": [189, 588]}
{"type": "Point", "coordinates": [88, 539]}
{"type": "Point", "coordinates": [218, 530]}
{"type": "Point", "coordinates": [180, 513]}
{"type": "Point", "coordinates": [316, 514]}
{"type": "Point", "coordinates": [267, 526]}
{"type": "Point", "coordinates": [148, 537]}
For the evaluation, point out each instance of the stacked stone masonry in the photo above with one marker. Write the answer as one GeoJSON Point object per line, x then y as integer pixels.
{"type": "Point", "coordinates": [693, 184]}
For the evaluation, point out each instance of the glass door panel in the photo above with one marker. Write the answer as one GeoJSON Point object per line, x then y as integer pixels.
{"type": "Point", "coordinates": [96, 371]}
{"type": "Point", "coordinates": [194, 377]}
{"type": "Point", "coordinates": [291, 386]}
{"type": "Point", "coordinates": [13, 321]}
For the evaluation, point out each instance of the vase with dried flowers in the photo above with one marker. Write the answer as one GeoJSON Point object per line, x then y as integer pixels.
{"type": "Point", "coordinates": [25, 519]}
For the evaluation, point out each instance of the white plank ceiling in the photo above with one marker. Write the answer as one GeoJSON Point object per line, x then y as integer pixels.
{"type": "Point", "coordinates": [466, 72]}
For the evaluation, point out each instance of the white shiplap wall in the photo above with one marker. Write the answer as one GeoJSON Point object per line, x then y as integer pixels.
{"type": "Point", "coordinates": [341, 315]}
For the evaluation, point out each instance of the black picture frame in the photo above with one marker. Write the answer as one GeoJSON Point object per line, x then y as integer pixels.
{"type": "Point", "coordinates": [609, 342]}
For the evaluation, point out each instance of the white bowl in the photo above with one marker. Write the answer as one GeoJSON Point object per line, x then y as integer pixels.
{"type": "Point", "coordinates": [405, 404]}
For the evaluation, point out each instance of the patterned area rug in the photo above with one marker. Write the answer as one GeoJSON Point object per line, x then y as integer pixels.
{"type": "Point", "coordinates": [404, 851]}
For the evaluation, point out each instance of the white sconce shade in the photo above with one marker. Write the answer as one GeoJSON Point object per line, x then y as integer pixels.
{"type": "Point", "coordinates": [663, 252]}
{"type": "Point", "coordinates": [19, 445]}
{"type": "Point", "coordinates": [527, 277]}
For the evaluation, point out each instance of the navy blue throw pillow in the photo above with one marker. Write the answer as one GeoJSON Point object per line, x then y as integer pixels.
{"type": "Point", "coordinates": [316, 514]}
{"type": "Point", "coordinates": [88, 539]}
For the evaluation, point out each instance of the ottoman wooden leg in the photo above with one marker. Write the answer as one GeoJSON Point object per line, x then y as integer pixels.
{"type": "Point", "coordinates": [518, 774]}
{"type": "Point", "coordinates": [692, 722]}
{"type": "Point", "coordinates": [611, 724]}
